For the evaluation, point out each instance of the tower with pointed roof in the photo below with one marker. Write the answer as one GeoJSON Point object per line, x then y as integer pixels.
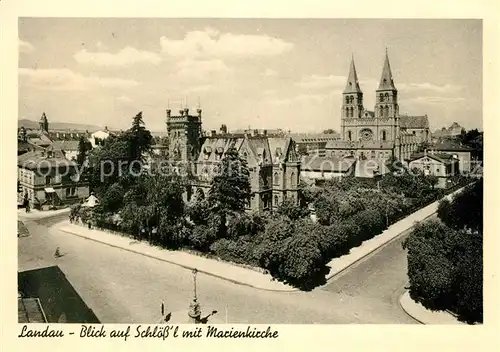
{"type": "Point", "coordinates": [352, 102]}
{"type": "Point", "coordinates": [386, 105]}
{"type": "Point", "coordinates": [44, 124]}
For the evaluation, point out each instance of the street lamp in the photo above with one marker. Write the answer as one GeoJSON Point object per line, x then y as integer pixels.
{"type": "Point", "coordinates": [194, 312]}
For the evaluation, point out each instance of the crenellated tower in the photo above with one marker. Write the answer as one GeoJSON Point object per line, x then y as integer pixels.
{"type": "Point", "coordinates": [184, 133]}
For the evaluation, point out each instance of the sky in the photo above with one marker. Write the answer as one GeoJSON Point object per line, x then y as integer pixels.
{"type": "Point", "coordinates": [257, 73]}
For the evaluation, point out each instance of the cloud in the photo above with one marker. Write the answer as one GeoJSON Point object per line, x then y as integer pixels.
{"type": "Point", "coordinates": [211, 43]}
{"type": "Point", "coordinates": [434, 100]}
{"type": "Point", "coordinates": [101, 46]}
{"type": "Point", "coordinates": [201, 68]}
{"type": "Point", "coordinates": [417, 87]}
{"type": "Point", "coordinates": [318, 82]}
{"type": "Point", "coordinates": [65, 79]}
{"type": "Point", "coordinates": [199, 89]}
{"type": "Point", "coordinates": [25, 47]}
{"type": "Point", "coordinates": [270, 73]}
{"type": "Point", "coordinates": [300, 99]}
{"type": "Point", "coordinates": [125, 57]}
{"type": "Point", "coordinates": [124, 99]}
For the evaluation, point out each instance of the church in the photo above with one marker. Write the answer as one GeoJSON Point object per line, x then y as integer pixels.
{"type": "Point", "coordinates": [380, 134]}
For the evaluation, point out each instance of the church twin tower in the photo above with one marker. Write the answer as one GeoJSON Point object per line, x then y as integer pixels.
{"type": "Point", "coordinates": [360, 124]}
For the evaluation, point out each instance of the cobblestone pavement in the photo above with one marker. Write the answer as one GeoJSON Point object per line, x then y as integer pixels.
{"type": "Point", "coordinates": [124, 287]}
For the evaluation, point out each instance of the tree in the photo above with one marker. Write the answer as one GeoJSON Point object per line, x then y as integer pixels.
{"type": "Point", "coordinates": [230, 190]}
{"type": "Point", "coordinates": [430, 268]}
{"type": "Point", "coordinates": [465, 210]}
{"type": "Point", "coordinates": [84, 147]}
{"type": "Point", "coordinates": [293, 211]}
{"type": "Point", "coordinates": [139, 139]}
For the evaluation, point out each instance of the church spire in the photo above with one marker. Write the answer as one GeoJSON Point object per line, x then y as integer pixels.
{"type": "Point", "coordinates": [386, 81]}
{"type": "Point", "coordinates": [352, 85]}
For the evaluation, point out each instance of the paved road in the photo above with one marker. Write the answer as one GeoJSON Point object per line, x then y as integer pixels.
{"type": "Point", "coordinates": [124, 287]}
{"type": "Point", "coordinates": [382, 276]}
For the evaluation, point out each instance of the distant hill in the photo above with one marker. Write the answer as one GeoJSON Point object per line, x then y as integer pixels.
{"type": "Point", "coordinates": [29, 124]}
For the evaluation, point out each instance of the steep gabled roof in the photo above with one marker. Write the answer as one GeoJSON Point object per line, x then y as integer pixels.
{"type": "Point", "coordinates": [352, 85]}
{"type": "Point", "coordinates": [386, 80]}
{"type": "Point", "coordinates": [414, 122]}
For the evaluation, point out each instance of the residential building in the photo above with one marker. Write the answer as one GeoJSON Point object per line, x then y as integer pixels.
{"type": "Point", "coordinates": [441, 165]}
{"type": "Point", "coordinates": [47, 177]}
{"type": "Point", "coordinates": [315, 167]}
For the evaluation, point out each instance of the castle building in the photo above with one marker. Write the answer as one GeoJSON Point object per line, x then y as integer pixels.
{"type": "Point", "coordinates": [272, 160]}
{"type": "Point", "coordinates": [379, 134]}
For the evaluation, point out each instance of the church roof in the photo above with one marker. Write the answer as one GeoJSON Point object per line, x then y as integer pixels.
{"type": "Point", "coordinates": [352, 85]}
{"type": "Point", "coordinates": [414, 121]}
{"type": "Point", "coordinates": [326, 163]}
{"type": "Point", "coordinates": [65, 145]}
{"type": "Point", "coordinates": [359, 145]}
{"type": "Point", "coordinates": [386, 80]}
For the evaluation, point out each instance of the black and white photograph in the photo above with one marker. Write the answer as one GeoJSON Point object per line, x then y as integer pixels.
{"type": "Point", "coordinates": [249, 171]}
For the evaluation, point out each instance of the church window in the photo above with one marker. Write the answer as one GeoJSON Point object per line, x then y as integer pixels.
{"type": "Point", "coordinates": [349, 135]}
{"type": "Point", "coordinates": [347, 100]}
{"type": "Point", "coordinates": [276, 200]}
{"type": "Point", "coordinates": [384, 135]}
{"type": "Point", "coordinates": [386, 96]}
{"type": "Point", "coordinates": [276, 178]}
{"type": "Point", "coordinates": [386, 111]}
{"type": "Point", "coordinates": [381, 97]}
{"type": "Point", "coordinates": [381, 111]}
{"type": "Point", "coordinates": [373, 154]}
{"type": "Point", "coordinates": [292, 180]}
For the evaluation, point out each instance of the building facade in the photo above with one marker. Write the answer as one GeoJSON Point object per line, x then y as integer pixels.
{"type": "Point", "coordinates": [47, 177]}
{"type": "Point", "coordinates": [381, 133]}
{"type": "Point", "coordinates": [443, 166]}
{"type": "Point", "coordinates": [272, 161]}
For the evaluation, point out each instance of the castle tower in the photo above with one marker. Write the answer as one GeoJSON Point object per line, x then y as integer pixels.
{"type": "Point", "coordinates": [352, 103]}
{"type": "Point", "coordinates": [44, 124]}
{"type": "Point", "coordinates": [386, 105]}
{"type": "Point", "coordinates": [184, 132]}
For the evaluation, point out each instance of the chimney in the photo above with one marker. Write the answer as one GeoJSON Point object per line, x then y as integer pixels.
{"type": "Point", "coordinates": [213, 133]}
{"type": "Point", "coordinates": [255, 133]}
{"type": "Point", "coordinates": [186, 111]}
{"type": "Point", "coordinates": [168, 113]}
{"type": "Point", "coordinates": [181, 112]}
{"type": "Point", "coordinates": [264, 132]}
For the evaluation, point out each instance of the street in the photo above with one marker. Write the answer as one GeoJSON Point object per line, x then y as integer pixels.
{"type": "Point", "coordinates": [124, 287]}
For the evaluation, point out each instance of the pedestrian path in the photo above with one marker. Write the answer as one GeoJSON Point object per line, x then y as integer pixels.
{"type": "Point", "coordinates": [337, 265]}
{"type": "Point", "coordinates": [207, 266]}
{"type": "Point", "coordinates": [38, 214]}
{"type": "Point", "coordinates": [241, 275]}
{"type": "Point", "coordinates": [423, 315]}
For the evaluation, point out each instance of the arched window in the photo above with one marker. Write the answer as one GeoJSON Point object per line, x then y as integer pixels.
{"type": "Point", "coordinates": [347, 99]}
{"type": "Point", "coordinates": [349, 135]}
{"type": "Point", "coordinates": [352, 99]}
{"type": "Point", "coordinates": [381, 97]}
{"type": "Point", "coordinates": [386, 111]}
{"type": "Point", "coordinates": [386, 96]}
{"type": "Point", "coordinates": [384, 135]}
{"type": "Point", "coordinates": [276, 178]}
{"type": "Point", "coordinates": [276, 200]}
{"type": "Point", "coordinates": [292, 180]}
{"type": "Point", "coordinates": [381, 111]}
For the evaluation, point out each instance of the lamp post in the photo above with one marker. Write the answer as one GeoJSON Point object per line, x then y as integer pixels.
{"type": "Point", "coordinates": [194, 312]}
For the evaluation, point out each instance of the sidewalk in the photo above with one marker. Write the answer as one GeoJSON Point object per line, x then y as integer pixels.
{"type": "Point", "coordinates": [337, 265]}
{"type": "Point", "coordinates": [37, 214]}
{"type": "Point", "coordinates": [207, 266]}
{"type": "Point", "coordinates": [242, 275]}
{"type": "Point", "coordinates": [423, 315]}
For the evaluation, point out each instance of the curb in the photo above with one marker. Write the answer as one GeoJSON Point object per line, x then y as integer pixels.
{"type": "Point", "coordinates": [181, 265]}
{"type": "Point", "coordinates": [329, 277]}
{"type": "Point", "coordinates": [404, 310]}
